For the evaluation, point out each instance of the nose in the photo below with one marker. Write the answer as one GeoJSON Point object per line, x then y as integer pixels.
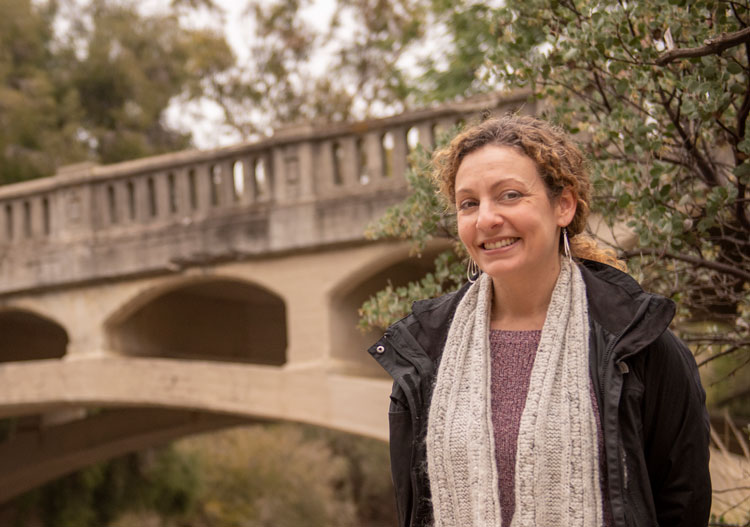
{"type": "Point", "coordinates": [488, 216]}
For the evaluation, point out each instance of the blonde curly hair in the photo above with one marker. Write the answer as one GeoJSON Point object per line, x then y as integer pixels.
{"type": "Point", "coordinates": [559, 161]}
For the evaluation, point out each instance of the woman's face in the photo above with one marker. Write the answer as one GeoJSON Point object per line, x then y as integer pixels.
{"type": "Point", "coordinates": [506, 219]}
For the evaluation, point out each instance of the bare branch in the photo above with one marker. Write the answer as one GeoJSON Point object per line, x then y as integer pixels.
{"type": "Point", "coordinates": [732, 489]}
{"type": "Point", "coordinates": [724, 353]}
{"type": "Point", "coordinates": [708, 175]}
{"type": "Point", "coordinates": [712, 46]}
{"type": "Point", "coordinates": [742, 392]}
{"type": "Point", "coordinates": [728, 130]}
{"type": "Point", "coordinates": [736, 14]}
{"type": "Point", "coordinates": [742, 116]}
{"type": "Point", "coordinates": [656, 155]}
{"type": "Point", "coordinates": [601, 92]}
{"type": "Point", "coordinates": [700, 262]}
{"type": "Point", "coordinates": [731, 374]}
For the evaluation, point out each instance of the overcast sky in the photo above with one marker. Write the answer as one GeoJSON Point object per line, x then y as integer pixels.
{"type": "Point", "coordinates": [203, 118]}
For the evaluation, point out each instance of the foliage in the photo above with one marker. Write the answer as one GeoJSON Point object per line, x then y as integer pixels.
{"type": "Point", "coordinates": [273, 475]}
{"type": "Point", "coordinates": [161, 481]}
{"type": "Point", "coordinates": [461, 69]}
{"type": "Point", "coordinates": [288, 476]}
{"type": "Point", "coordinates": [96, 90]}
{"type": "Point", "coordinates": [368, 478]}
{"type": "Point", "coordinates": [91, 80]}
{"type": "Point", "coordinates": [666, 135]}
{"type": "Point", "coordinates": [280, 85]}
{"type": "Point", "coordinates": [380, 57]}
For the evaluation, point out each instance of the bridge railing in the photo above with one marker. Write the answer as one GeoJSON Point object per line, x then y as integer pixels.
{"type": "Point", "coordinates": [87, 208]}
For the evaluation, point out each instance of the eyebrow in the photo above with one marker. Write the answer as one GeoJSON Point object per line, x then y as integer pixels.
{"type": "Point", "coordinates": [502, 182]}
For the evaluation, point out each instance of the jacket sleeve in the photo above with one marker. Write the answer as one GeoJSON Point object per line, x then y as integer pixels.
{"type": "Point", "coordinates": [676, 435]}
{"type": "Point", "coordinates": [399, 421]}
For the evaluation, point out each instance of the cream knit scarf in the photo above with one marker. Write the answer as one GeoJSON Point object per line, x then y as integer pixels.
{"type": "Point", "coordinates": [557, 467]}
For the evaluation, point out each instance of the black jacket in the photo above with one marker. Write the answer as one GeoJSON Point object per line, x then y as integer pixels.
{"type": "Point", "coordinates": [650, 398]}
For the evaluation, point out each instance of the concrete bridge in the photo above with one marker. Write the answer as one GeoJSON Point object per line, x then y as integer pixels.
{"type": "Point", "coordinates": [143, 301]}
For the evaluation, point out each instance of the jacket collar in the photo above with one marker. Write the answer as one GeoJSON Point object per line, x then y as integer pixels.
{"type": "Point", "coordinates": [619, 305]}
{"type": "Point", "coordinates": [616, 302]}
{"type": "Point", "coordinates": [431, 319]}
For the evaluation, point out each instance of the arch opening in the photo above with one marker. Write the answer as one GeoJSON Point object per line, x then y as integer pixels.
{"type": "Point", "coordinates": [349, 344]}
{"type": "Point", "coordinates": [27, 336]}
{"type": "Point", "coordinates": [220, 320]}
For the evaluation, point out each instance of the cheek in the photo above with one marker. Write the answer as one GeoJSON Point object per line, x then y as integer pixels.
{"type": "Point", "coordinates": [465, 230]}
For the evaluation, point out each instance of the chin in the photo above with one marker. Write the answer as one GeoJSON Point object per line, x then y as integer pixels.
{"type": "Point", "coordinates": [501, 272]}
{"type": "Point", "coordinates": [517, 268]}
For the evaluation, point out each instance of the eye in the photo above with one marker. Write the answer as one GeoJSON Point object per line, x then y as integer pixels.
{"type": "Point", "coordinates": [467, 204]}
{"type": "Point", "coordinates": [511, 195]}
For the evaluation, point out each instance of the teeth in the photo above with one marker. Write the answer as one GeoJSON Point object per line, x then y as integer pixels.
{"type": "Point", "coordinates": [501, 243]}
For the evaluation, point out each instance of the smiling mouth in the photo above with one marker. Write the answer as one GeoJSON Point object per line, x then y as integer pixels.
{"type": "Point", "coordinates": [499, 244]}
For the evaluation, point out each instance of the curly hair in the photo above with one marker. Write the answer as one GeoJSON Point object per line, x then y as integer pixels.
{"type": "Point", "coordinates": [559, 162]}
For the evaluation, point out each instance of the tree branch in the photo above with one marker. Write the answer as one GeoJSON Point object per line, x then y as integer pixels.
{"type": "Point", "coordinates": [705, 170]}
{"type": "Point", "coordinates": [728, 131]}
{"type": "Point", "coordinates": [742, 392]}
{"type": "Point", "coordinates": [601, 92]}
{"type": "Point", "coordinates": [736, 14]}
{"type": "Point", "coordinates": [712, 46]}
{"type": "Point", "coordinates": [724, 353]}
{"type": "Point", "coordinates": [742, 116]}
{"type": "Point", "coordinates": [700, 262]}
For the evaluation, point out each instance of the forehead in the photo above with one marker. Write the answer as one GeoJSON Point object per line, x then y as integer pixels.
{"type": "Point", "coordinates": [496, 163]}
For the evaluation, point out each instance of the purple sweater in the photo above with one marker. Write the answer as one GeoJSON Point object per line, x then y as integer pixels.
{"type": "Point", "coordinates": [512, 357]}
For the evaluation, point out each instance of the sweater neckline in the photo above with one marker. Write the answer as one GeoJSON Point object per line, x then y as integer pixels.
{"type": "Point", "coordinates": [514, 331]}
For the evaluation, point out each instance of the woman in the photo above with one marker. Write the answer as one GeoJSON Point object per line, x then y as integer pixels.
{"type": "Point", "coordinates": [549, 391]}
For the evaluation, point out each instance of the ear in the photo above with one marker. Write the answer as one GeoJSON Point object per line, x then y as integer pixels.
{"type": "Point", "coordinates": [566, 206]}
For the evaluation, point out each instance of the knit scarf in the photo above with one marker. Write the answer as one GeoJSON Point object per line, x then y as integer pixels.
{"type": "Point", "coordinates": [557, 467]}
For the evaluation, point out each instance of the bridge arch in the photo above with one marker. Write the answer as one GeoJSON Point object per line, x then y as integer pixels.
{"type": "Point", "coordinates": [207, 318]}
{"type": "Point", "coordinates": [393, 264]}
{"type": "Point", "coordinates": [27, 335]}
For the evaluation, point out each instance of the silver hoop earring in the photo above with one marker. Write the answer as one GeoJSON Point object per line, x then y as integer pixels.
{"type": "Point", "coordinates": [566, 244]}
{"type": "Point", "coordinates": [472, 271]}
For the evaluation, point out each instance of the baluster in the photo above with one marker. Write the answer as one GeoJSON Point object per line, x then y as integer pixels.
{"type": "Point", "coordinates": [400, 152]}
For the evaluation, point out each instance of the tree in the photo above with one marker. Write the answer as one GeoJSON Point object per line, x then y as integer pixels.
{"type": "Point", "coordinates": [285, 475]}
{"type": "Point", "coordinates": [96, 90]}
{"type": "Point", "coordinates": [132, 68]}
{"type": "Point", "coordinates": [163, 481]}
{"type": "Point", "coordinates": [659, 94]}
{"type": "Point", "coordinates": [358, 72]}
{"type": "Point", "coordinates": [32, 101]}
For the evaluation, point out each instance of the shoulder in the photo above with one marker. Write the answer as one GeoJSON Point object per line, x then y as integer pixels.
{"type": "Point", "coordinates": [429, 321]}
{"type": "Point", "coordinates": [618, 303]}
{"type": "Point", "coordinates": [671, 364]}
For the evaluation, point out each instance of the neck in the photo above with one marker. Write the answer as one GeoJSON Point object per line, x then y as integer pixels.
{"type": "Point", "coordinates": [521, 302]}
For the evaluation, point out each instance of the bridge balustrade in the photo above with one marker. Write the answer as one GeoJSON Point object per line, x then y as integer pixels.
{"type": "Point", "coordinates": [215, 283]}
{"type": "Point", "coordinates": [304, 187]}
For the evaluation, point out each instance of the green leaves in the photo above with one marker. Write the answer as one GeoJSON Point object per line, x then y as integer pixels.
{"type": "Point", "coordinates": [668, 144]}
{"type": "Point", "coordinates": [393, 303]}
{"type": "Point", "coordinates": [97, 91]}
